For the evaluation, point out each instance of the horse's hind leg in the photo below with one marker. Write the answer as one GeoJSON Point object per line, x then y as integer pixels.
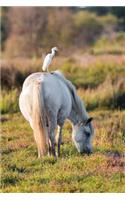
{"type": "Point", "coordinates": [38, 147]}
{"type": "Point", "coordinates": [49, 148]}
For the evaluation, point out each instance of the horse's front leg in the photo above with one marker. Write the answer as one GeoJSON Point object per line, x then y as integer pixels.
{"type": "Point", "coordinates": [52, 144]}
{"type": "Point", "coordinates": [52, 150]}
{"type": "Point", "coordinates": [59, 139]}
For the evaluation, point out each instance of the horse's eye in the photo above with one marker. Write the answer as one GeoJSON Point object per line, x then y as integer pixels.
{"type": "Point", "coordinates": [87, 134]}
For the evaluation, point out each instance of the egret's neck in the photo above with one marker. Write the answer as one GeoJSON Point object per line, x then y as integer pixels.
{"type": "Point", "coordinates": [53, 53]}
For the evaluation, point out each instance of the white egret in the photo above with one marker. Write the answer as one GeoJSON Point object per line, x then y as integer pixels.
{"type": "Point", "coordinates": [48, 59]}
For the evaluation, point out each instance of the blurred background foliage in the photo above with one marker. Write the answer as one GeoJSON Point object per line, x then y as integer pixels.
{"type": "Point", "coordinates": [91, 44]}
{"type": "Point", "coordinates": [28, 31]}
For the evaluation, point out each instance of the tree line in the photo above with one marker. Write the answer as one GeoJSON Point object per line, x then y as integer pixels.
{"type": "Point", "coordinates": [25, 31]}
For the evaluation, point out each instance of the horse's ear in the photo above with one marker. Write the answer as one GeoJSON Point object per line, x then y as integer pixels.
{"type": "Point", "coordinates": [88, 120]}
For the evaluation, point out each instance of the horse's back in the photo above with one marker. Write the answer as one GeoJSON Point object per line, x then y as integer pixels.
{"type": "Point", "coordinates": [56, 94]}
{"type": "Point", "coordinates": [31, 79]}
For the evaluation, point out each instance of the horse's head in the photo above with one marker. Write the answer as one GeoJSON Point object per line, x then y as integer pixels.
{"type": "Point", "coordinates": [82, 136]}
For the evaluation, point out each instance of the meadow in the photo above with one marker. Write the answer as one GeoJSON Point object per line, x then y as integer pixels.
{"type": "Point", "coordinates": [103, 171]}
{"type": "Point", "coordinates": [100, 83]}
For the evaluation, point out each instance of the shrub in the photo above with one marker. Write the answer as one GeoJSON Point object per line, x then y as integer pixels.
{"type": "Point", "coordinates": [109, 23]}
{"type": "Point", "coordinates": [115, 44]}
{"type": "Point", "coordinates": [88, 27]}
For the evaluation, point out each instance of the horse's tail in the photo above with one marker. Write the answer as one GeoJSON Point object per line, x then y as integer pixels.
{"type": "Point", "coordinates": [38, 119]}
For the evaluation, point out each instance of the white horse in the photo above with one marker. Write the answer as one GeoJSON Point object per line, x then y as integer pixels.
{"type": "Point", "coordinates": [46, 101]}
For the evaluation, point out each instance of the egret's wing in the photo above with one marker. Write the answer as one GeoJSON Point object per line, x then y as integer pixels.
{"type": "Point", "coordinates": [47, 61]}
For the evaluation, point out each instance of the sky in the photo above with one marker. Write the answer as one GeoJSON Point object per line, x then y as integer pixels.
{"type": "Point", "coordinates": [80, 3]}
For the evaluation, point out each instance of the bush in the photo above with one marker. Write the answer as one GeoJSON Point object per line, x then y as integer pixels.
{"type": "Point", "coordinates": [110, 45]}
{"type": "Point", "coordinates": [87, 26]}
{"type": "Point", "coordinates": [109, 23]}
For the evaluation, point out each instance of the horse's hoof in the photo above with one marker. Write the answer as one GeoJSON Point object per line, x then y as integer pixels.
{"type": "Point", "coordinates": [57, 155]}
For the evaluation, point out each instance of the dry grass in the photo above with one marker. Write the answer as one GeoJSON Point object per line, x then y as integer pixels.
{"type": "Point", "coordinates": [107, 95]}
{"type": "Point", "coordinates": [83, 69]}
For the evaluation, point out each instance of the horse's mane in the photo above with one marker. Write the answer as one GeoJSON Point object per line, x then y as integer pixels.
{"type": "Point", "coordinates": [77, 103]}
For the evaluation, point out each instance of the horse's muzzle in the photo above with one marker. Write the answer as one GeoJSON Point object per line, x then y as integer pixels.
{"type": "Point", "coordinates": [87, 151]}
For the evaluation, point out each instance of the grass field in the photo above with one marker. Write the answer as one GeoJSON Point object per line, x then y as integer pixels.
{"type": "Point", "coordinates": [103, 171]}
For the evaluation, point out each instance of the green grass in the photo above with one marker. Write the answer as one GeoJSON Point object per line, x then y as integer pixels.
{"type": "Point", "coordinates": [9, 101]}
{"type": "Point", "coordinates": [103, 171]}
{"type": "Point", "coordinates": [94, 73]}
